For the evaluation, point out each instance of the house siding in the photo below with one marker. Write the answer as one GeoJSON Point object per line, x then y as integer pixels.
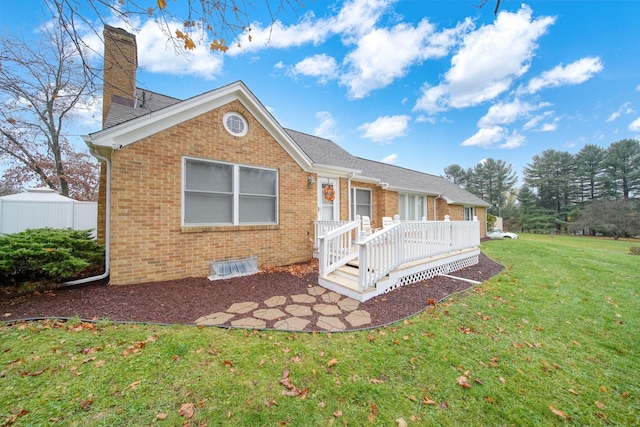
{"type": "Point", "coordinates": [148, 241]}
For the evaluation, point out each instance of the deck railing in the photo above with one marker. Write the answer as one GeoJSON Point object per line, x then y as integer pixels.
{"type": "Point", "coordinates": [336, 247]}
{"type": "Point", "coordinates": [405, 242]}
{"type": "Point", "coordinates": [323, 228]}
{"type": "Point", "coordinates": [339, 242]}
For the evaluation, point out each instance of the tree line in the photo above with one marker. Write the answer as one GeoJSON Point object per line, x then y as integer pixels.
{"type": "Point", "coordinates": [595, 191]}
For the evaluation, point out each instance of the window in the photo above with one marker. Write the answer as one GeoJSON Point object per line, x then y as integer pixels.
{"type": "Point", "coordinates": [469, 213]}
{"type": "Point", "coordinates": [361, 202]}
{"type": "Point", "coordinates": [411, 207]}
{"type": "Point", "coordinates": [235, 124]}
{"type": "Point", "coordinates": [229, 194]}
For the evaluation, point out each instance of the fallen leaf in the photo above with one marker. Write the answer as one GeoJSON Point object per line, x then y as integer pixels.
{"type": "Point", "coordinates": [558, 412]}
{"type": "Point", "coordinates": [502, 380]}
{"type": "Point", "coordinates": [133, 385]}
{"type": "Point", "coordinates": [401, 422]}
{"type": "Point", "coordinates": [412, 398]}
{"type": "Point", "coordinates": [186, 410]}
{"type": "Point", "coordinates": [427, 401]}
{"type": "Point", "coordinates": [599, 404]}
{"type": "Point", "coordinates": [337, 414]}
{"type": "Point", "coordinates": [488, 399]}
{"type": "Point", "coordinates": [161, 416]}
{"type": "Point", "coordinates": [227, 363]}
{"type": "Point", "coordinates": [86, 403]}
{"type": "Point", "coordinates": [332, 362]}
{"type": "Point", "coordinates": [375, 381]}
{"type": "Point", "coordinates": [463, 381]}
{"type": "Point", "coordinates": [572, 391]}
{"type": "Point", "coordinates": [604, 389]}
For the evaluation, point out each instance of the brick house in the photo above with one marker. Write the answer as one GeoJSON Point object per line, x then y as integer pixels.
{"type": "Point", "coordinates": [215, 177]}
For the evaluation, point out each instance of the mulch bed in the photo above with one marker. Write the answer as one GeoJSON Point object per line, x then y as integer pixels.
{"type": "Point", "coordinates": [183, 301]}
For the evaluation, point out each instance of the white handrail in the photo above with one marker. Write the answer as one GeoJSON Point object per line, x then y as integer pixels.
{"type": "Point", "coordinates": [405, 242]}
{"type": "Point", "coordinates": [336, 248]}
{"type": "Point", "coordinates": [322, 227]}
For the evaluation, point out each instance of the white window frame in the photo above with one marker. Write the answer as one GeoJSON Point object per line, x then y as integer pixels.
{"type": "Point", "coordinates": [240, 117]}
{"type": "Point", "coordinates": [469, 213]}
{"type": "Point", "coordinates": [354, 200]}
{"type": "Point", "coordinates": [235, 193]}
{"type": "Point", "coordinates": [416, 214]}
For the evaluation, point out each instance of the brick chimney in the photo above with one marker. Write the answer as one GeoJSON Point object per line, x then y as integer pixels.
{"type": "Point", "coordinates": [120, 64]}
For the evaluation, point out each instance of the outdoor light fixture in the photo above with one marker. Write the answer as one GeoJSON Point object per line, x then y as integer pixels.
{"type": "Point", "coordinates": [311, 181]}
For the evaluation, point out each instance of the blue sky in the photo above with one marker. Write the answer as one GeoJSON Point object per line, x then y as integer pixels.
{"type": "Point", "coordinates": [422, 84]}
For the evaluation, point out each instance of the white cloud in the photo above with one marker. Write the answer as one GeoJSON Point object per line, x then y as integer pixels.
{"type": "Point", "coordinates": [326, 128]}
{"type": "Point", "coordinates": [635, 125]}
{"type": "Point", "coordinates": [488, 62]}
{"type": "Point", "coordinates": [534, 121]}
{"type": "Point", "coordinates": [508, 112]}
{"type": "Point", "coordinates": [514, 140]}
{"type": "Point", "coordinates": [575, 73]}
{"type": "Point", "coordinates": [485, 137]}
{"type": "Point", "coordinates": [385, 128]}
{"type": "Point", "coordinates": [322, 66]}
{"type": "Point", "coordinates": [279, 36]}
{"type": "Point", "coordinates": [624, 109]}
{"type": "Point", "coordinates": [549, 127]}
{"type": "Point", "coordinates": [385, 54]}
{"type": "Point", "coordinates": [154, 55]}
{"type": "Point", "coordinates": [390, 159]}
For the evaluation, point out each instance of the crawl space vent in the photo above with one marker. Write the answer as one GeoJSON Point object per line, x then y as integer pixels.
{"type": "Point", "coordinates": [233, 268]}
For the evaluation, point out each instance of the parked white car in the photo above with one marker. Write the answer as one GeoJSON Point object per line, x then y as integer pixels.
{"type": "Point", "coordinates": [499, 234]}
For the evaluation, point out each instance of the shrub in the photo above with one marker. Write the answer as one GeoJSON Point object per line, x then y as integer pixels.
{"type": "Point", "coordinates": [635, 250]}
{"type": "Point", "coordinates": [47, 254]}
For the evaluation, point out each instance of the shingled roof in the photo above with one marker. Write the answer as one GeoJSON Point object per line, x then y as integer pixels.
{"type": "Point", "coordinates": [326, 152]}
{"type": "Point", "coordinates": [321, 151]}
{"type": "Point", "coordinates": [146, 102]}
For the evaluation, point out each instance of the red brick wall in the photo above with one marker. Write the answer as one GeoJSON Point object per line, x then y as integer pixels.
{"type": "Point", "coordinates": [148, 242]}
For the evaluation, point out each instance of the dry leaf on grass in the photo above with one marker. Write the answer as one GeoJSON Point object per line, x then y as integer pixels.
{"type": "Point", "coordinates": [187, 410]}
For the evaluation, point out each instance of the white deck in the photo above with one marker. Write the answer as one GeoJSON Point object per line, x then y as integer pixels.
{"type": "Point", "coordinates": [400, 255]}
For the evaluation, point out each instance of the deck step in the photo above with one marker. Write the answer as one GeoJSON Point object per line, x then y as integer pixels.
{"type": "Point", "coordinates": [348, 272]}
{"type": "Point", "coordinates": [345, 286]}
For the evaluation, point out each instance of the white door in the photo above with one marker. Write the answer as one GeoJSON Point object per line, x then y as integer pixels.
{"type": "Point", "coordinates": [328, 199]}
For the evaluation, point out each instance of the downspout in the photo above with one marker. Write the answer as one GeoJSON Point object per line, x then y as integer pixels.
{"type": "Point", "coordinates": [435, 212]}
{"type": "Point", "coordinates": [349, 197]}
{"type": "Point", "coordinates": [107, 237]}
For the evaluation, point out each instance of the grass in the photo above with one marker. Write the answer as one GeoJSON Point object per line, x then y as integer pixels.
{"type": "Point", "coordinates": [554, 339]}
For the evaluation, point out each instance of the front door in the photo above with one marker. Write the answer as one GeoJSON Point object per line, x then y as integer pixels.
{"type": "Point", "coordinates": [328, 199]}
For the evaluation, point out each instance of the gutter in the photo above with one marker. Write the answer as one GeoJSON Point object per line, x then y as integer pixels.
{"type": "Point", "coordinates": [107, 237]}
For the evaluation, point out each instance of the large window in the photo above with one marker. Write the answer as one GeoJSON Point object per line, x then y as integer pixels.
{"type": "Point", "coordinates": [411, 207]}
{"type": "Point", "coordinates": [361, 202]}
{"type": "Point", "coordinates": [229, 194]}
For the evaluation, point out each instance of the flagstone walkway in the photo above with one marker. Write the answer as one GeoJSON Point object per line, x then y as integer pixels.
{"type": "Point", "coordinates": [294, 313]}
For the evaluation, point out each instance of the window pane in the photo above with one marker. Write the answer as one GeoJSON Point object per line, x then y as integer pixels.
{"type": "Point", "coordinates": [208, 208]}
{"type": "Point", "coordinates": [363, 211]}
{"type": "Point", "coordinates": [257, 209]}
{"type": "Point", "coordinates": [421, 213]}
{"type": "Point", "coordinates": [402, 206]}
{"type": "Point", "coordinates": [257, 181]}
{"type": "Point", "coordinates": [207, 176]}
{"type": "Point", "coordinates": [363, 197]}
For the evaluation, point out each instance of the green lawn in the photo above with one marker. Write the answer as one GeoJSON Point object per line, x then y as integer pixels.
{"type": "Point", "coordinates": [553, 340]}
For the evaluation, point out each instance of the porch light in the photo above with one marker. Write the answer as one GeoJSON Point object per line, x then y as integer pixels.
{"type": "Point", "coordinates": [311, 181]}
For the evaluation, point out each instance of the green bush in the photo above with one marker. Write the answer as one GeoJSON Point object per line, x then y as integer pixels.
{"type": "Point", "coordinates": [47, 254]}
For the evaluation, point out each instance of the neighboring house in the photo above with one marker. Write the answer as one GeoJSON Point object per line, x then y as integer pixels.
{"type": "Point", "coordinates": [215, 177]}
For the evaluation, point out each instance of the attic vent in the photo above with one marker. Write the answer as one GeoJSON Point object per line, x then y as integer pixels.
{"type": "Point", "coordinates": [235, 123]}
{"type": "Point", "coordinates": [233, 268]}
